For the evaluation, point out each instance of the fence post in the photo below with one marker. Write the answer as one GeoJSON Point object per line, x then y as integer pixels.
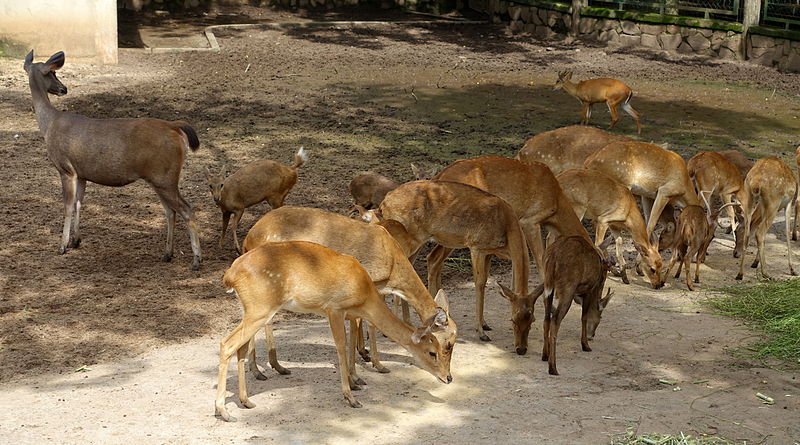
{"type": "Point", "coordinates": [577, 5]}
{"type": "Point", "coordinates": [752, 13]}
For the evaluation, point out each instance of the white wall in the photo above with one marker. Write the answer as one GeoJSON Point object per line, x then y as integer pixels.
{"type": "Point", "coordinates": [83, 29]}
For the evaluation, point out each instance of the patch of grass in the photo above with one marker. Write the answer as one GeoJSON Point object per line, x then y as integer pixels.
{"type": "Point", "coordinates": [773, 308]}
{"type": "Point", "coordinates": [665, 439]}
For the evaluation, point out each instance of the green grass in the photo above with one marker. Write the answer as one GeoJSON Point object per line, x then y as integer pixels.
{"type": "Point", "coordinates": [773, 308]}
{"type": "Point", "coordinates": [665, 439]}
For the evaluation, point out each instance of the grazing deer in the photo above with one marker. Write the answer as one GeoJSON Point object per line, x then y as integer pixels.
{"type": "Point", "coordinates": [738, 159]}
{"type": "Point", "coordinates": [710, 170]}
{"type": "Point", "coordinates": [379, 253]}
{"type": "Point", "coordinates": [113, 152]}
{"type": "Point", "coordinates": [307, 277]}
{"type": "Point", "coordinates": [693, 235]}
{"type": "Point", "coordinates": [457, 215]}
{"type": "Point", "coordinates": [573, 270]}
{"type": "Point", "coordinates": [770, 186]}
{"type": "Point", "coordinates": [255, 182]}
{"type": "Point", "coordinates": [659, 176]}
{"type": "Point", "coordinates": [368, 190]}
{"type": "Point", "coordinates": [611, 205]}
{"type": "Point", "coordinates": [592, 91]}
{"type": "Point", "coordinates": [565, 148]}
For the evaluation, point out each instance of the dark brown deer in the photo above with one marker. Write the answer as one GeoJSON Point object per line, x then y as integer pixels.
{"type": "Point", "coordinates": [113, 152]}
{"type": "Point", "coordinates": [573, 270]}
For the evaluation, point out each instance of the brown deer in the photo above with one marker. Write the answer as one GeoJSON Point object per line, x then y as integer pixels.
{"type": "Point", "coordinates": [457, 215]}
{"type": "Point", "coordinates": [611, 205]}
{"type": "Point", "coordinates": [710, 170]}
{"type": "Point", "coordinates": [573, 270]}
{"type": "Point", "coordinates": [255, 182]}
{"type": "Point", "coordinates": [592, 91]}
{"type": "Point", "coordinates": [382, 257]}
{"type": "Point", "coordinates": [737, 158]}
{"type": "Point", "coordinates": [113, 152]}
{"type": "Point", "coordinates": [770, 186]}
{"type": "Point", "coordinates": [368, 190]}
{"type": "Point", "coordinates": [659, 176]}
{"type": "Point", "coordinates": [567, 147]}
{"type": "Point", "coordinates": [693, 235]}
{"type": "Point", "coordinates": [307, 277]}
{"type": "Point", "coordinates": [797, 203]}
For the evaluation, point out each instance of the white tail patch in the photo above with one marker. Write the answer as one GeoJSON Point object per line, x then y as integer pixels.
{"type": "Point", "coordinates": [230, 291]}
{"type": "Point", "coordinates": [302, 154]}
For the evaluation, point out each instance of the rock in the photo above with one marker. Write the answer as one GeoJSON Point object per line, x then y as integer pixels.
{"type": "Point", "coordinates": [586, 25]}
{"type": "Point", "coordinates": [698, 42]}
{"type": "Point", "coordinates": [652, 29]}
{"type": "Point", "coordinates": [631, 28]}
{"type": "Point", "coordinates": [515, 26]}
{"type": "Point", "coordinates": [705, 32]}
{"type": "Point", "coordinates": [541, 31]}
{"type": "Point", "coordinates": [608, 36]}
{"type": "Point", "coordinates": [670, 42]}
{"type": "Point", "coordinates": [757, 52]}
{"type": "Point", "coordinates": [535, 19]}
{"type": "Point", "coordinates": [761, 41]}
{"type": "Point", "coordinates": [650, 41]}
{"type": "Point", "coordinates": [673, 29]}
{"type": "Point", "coordinates": [567, 21]}
{"type": "Point", "coordinates": [515, 12]}
{"type": "Point", "coordinates": [726, 53]}
{"type": "Point", "coordinates": [734, 43]}
{"type": "Point", "coordinates": [525, 14]}
{"type": "Point", "coordinates": [543, 15]}
{"type": "Point", "coordinates": [716, 39]}
{"type": "Point", "coordinates": [792, 63]}
{"type": "Point", "coordinates": [685, 48]}
{"type": "Point", "coordinates": [629, 40]}
{"type": "Point", "coordinates": [766, 58]}
{"type": "Point", "coordinates": [606, 24]}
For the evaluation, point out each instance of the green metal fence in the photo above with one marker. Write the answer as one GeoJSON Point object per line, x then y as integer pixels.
{"type": "Point", "coordinates": [723, 9]}
{"type": "Point", "coordinates": [782, 13]}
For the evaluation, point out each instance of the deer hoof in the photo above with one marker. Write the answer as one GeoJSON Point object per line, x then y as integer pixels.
{"type": "Point", "coordinates": [697, 280]}
{"type": "Point", "coordinates": [552, 370]}
{"type": "Point", "coordinates": [281, 370]}
{"type": "Point", "coordinates": [76, 243]}
{"type": "Point", "coordinates": [586, 347]}
{"type": "Point", "coordinates": [222, 413]}
{"type": "Point", "coordinates": [166, 258]}
{"type": "Point", "coordinates": [196, 264]}
{"type": "Point", "coordinates": [259, 375]}
{"type": "Point", "coordinates": [485, 337]}
{"type": "Point", "coordinates": [739, 276]}
{"type": "Point", "coordinates": [486, 327]}
{"type": "Point", "coordinates": [625, 278]}
{"type": "Point", "coordinates": [354, 403]}
{"type": "Point", "coordinates": [382, 369]}
{"type": "Point", "coordinates": [62, 250]}
{"type": "Point", "coordinates": [522, 351]}
{"type": "Point", "coordinates": [248, 404]}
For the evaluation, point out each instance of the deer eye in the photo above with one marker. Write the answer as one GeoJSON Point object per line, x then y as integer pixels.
{"type": "Point", "coordinates": [432, 354]}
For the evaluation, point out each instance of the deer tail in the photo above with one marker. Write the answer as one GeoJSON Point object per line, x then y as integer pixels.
{"type": "Point", "coordinates": [191, 136]}
{"type": "Point", "coordinates": [300, 158]}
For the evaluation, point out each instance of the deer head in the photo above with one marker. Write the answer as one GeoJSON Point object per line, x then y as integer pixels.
{"type": "Point", "coordinates": [46, 71]}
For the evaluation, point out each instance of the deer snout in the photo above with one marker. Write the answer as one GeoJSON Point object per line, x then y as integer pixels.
{"type": "Point", "coordinates": [62, 90]}
{"type": "Point", "coordinates": [449, 378]}
{"type": "Point", "coordinates": [658, 286]}
{"type": "Point", "coordinates": [216, 198]}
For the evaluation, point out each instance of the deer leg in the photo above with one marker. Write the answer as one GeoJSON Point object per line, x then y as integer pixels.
{"type": "Point", "coordinates": [69, 185]}
{"type": "Point", "coordinates": [76, 226]}
{"type": "Point", "coordinates": [435, 261]}
{"type": "Point", "coordinates": [558, 316]}
{"type": "Point", "coordinates": [621, 256]}
{"type": "Point", "coordinates": [687, 259]}
{"type": "Point", "coordinates": [271, 351]}
{"type": "Point", "coordinates": [171, 198]}
{"type": "Point", "coordinates": [748, 217]}
{"type": "Point", "coordinates": [479, 275]}
{"type": "Point", "coordinates": [659, 203]}
{"type": "Point", "coordinates": [373, 344]}
{"type": "Point", "coordinates": [226, 216]}
{"type": "Point", "coordinates": [626, 106]}
{"type": "Point", "coordinates": [533, 236]}
{"type": "Point", "coordinates": [237, 215]}
{"type": "Point", "coordinates": [612, 107]}
{"type": "Point", "coordinates": [788, 243]}
{"type": "Point", "coordinates": [584, 331]}
{"type": "Point", "coordinates": [241, 355]}
{"type": "Point", "coordinates": [361, 346]}
{"type": "Point", "coordinates": [352, 345]}
{"type": "Point", "coordinates": [548, 309]}
{"type": "Point", "coordinates": [796, 214]}
{"type": "Point", "coordinates": [251, 360]}
{"type": "Point", "coordinates": [336, 321]}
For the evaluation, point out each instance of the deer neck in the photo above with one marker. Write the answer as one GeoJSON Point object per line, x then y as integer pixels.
{"type": "Point", "coordinates": [379, 314]}
{"type": "Point", "coordinates": [45, 111]}
{"type": "Point", "coordinates": [570, 87]}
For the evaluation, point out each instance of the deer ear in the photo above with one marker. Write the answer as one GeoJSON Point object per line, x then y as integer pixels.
{"type": "Point", "coordinates": [434, 321]}
{"type": "Point", "coordinates": [507, 293]}
{"type": "Point", "coordinates": [442, 301]}
{"type": "Point", "coordinates": [28, 62]}
{"type": "Point", "coordinates": [568, 75]}
{"type": "Point", "coordinates": [604, 301]}
{"type": "Point", "coordinates": [415, 170]}
{"type": "Point", "coordinates": [56, 61]}
{"type": "Point", "coordinates": [208, 172]}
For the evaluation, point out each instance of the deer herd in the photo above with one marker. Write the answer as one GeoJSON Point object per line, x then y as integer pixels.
{"type": "Point", "coordinates": [311, 260]}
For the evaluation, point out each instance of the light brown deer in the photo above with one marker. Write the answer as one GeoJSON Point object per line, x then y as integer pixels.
{"type": "Point", "coordinates": [368, 190]}
{"type": "Point", "coordinates": [770, 186]}
{"type": "Point", "coordinates": [611, 205]}
{"type": "Point", "coordinates": [592, 91]}
{"type": "Point", "coordinates": [737, 158]}
{"type": "Point", "coordinates": [573, 270]}
{"type": "Point", "coordinates": [379, 253]}
{"type": "Point", "coordinates": [457, 215]}
{"type": "Point", "coordinates": [567, 147]}
{"type": "Point", "coordinates": [693, 235]}
{"type": "Point", "coordinates": [307, 277]}
{"type": "Point", "coordinates": [113, 152]}
{"type": "Point", "coordinates": [797, 203]}
{"type": "Point", "coordinates": [710, 170]}
{"type": "Point", "coordinates": [258, 181]}
{"type": "Point", "coordinates": [659, 176]}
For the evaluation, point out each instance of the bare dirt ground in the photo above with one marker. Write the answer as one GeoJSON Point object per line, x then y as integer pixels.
{"type": "Point", "coordinates": [365, 98]}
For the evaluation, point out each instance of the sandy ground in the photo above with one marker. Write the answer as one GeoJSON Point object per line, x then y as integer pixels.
{"type": "Point", "coordinates": [370, 98]}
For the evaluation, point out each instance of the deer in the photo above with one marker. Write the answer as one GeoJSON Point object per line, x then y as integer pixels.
{"type": "Point", "coordinates": [738, 159]}
{"type": "Point", "coordinates": [611, 205]}
{"type": "Point", "coordinates": [693, 234]}
{"type": "Point", "coordinates": [368, 190]}
{"type": "Point", "coordinates": [797, 203]}
{"type": "Point", "coordinates": [573, 270]}
{"type": "Point", "coordinates": [307, 277]}
{"type": "Point", "coordinates": [710, 170]}
{"type": "Point", "coordinates": [770, 186]}
{"type": "Point", "coordinates": [592, 91]}
{"type": "Point", "coordinates": [378, 252]}
{"type": "Point", "coordinates": [566, 147]}
{"type": "Point", "coordinates": [112, 152]}
{"type": "Point", "coordinates": [258, 181]}
{"type": "Point", "coordinates": [457, 215]}
{"type": "Point", "coordinates": [658, 175]}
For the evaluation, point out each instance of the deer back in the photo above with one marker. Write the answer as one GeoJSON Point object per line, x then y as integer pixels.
{"type": "Point", "coordinates": [565, 148]}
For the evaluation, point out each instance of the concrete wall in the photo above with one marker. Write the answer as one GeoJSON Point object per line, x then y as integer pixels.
{"type": "Point", "coordinates": [83, 29]}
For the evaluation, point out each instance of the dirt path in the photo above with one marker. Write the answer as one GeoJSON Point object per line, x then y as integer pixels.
{"type": "Point", "coordinates": [149, 330]}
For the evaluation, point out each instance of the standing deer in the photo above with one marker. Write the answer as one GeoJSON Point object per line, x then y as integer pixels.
{"type": "Point", "coordinates": [573, 270]}
{"type": "Point", "coordinates": [113, 152]}
{"type": "Point", "coordinates": [659, 176]}
{"type": "Point", "coordinates": [368, 190]}
{"type": "Point", "coordinates": [307, 277]}
{"type": "Point", "coordinates": [693, 235]}
{"type": "Point", "coordinates": [770, 186]}
{"type": "Point", "coordinates": [611, 205]}
{"type": "Point", "coordinates": [378, 252]}
{"type": "Point", "coordinates": [592, 91]}
{"type": "Point", "coordinates": [567, 147]}
{"type": "Point", "coordinates": [255, 182]}
{"type": "Point", "coordinates": [457, 215]}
